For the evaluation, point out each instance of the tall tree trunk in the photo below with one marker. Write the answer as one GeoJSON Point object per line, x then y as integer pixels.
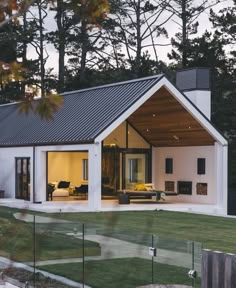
{"type": "Point", "coordinates": [41, 49]}
{"type": "Point", "coordinates": [24, 56]}
{"type": "Point", "coordinates": [184, 34]}
{"type": "Point", "coordinates": [139, 40]}
{"type": "Point", "coordinates": [84, 50]}
{"type": "Point", "coordinates": [61, 45]}
{"type": "Point", "coordinates": [24, 52]}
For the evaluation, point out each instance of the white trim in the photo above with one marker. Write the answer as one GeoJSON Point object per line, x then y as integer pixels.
{"type": "Point", "coordinates": [164, 82]}
{"type": "Point", "coordinates": [40, 164]}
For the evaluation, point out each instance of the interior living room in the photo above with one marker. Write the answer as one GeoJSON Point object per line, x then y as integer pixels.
{"type": "Point", "coordinates": [67, 176]}
{"type": "Point", "coordinates": [126, 161]}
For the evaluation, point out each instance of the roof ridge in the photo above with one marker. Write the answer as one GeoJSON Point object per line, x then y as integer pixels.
{"type": "Point", "coordinates": [113, 84]}
{"type": "Point", "coordinates": [96, 87]}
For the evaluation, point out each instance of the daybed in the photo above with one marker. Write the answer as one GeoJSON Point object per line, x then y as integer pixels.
{"type": "Point", "coordinates": [138, 194]}
{"type": "Point", "coordinates": [140, 191]}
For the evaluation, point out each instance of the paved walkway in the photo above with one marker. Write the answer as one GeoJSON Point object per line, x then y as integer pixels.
{"type": "Point", "coordinates": [38, 219]}
{"type": "Point", "coordinates": [112, 248]}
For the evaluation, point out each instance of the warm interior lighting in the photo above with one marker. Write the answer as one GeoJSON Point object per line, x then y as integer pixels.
{"type": "Point", "coordinates": [147, 130]}
{"type": "Point", "coordinates": [110, 145]}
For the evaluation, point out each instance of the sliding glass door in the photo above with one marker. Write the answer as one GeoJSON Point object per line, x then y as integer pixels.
{"type": "Point", "coordinates": [23, 178]}
{"type": "Point", "coordinates": [135, 169]}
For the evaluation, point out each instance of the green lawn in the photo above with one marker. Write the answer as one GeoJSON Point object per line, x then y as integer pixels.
{"type": "Point", "coordinates": [125, 273]}
{"type": "Point", "coordinates": [217, 233]}
{"type": "Point", "coordinates": [51, 241]}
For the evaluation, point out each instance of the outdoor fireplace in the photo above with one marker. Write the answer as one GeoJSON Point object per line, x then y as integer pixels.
{"type": "Point", "coordinates": [185, 187]}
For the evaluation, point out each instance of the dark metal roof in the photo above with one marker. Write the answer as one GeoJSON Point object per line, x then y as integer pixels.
{"type": "Point", "coordinates": [82, 117]}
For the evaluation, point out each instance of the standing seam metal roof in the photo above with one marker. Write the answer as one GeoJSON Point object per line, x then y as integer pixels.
{"type": "Point", "coordinates": [82, 117]}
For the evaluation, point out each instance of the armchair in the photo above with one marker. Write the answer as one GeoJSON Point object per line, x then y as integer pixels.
{"type": "Point", "coordinates": [82, 190]}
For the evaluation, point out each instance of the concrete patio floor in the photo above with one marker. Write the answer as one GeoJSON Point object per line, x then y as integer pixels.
{"type": "Point", "coordinates": [112, 205]}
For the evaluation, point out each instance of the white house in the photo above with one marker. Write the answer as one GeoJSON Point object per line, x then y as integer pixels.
{"type": "Point", "coordinates": [115, 136]}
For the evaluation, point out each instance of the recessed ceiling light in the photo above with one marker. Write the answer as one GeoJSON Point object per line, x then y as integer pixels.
{"type": "Point", "coordinates": [189, 127]}
{"type": "Point", "coordinates": [147, 130]}
{"type": "Point", "coordinates": [176, 137]}
{"type": "Point", "coordinates": [153, 115]}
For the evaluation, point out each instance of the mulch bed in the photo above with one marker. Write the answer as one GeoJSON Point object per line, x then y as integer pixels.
{"type": "Point", "coordinates": [24, 276]}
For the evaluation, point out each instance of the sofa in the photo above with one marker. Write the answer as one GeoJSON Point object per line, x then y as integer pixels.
{"type": "Point", "coordinates": [61, 189]}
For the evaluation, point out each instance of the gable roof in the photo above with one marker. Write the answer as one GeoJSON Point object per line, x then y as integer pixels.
{"type": "Point", "coordinates": [83, 116]}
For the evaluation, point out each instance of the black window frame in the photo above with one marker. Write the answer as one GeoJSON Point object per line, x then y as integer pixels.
{"type": "Point", "coordinates": [169, 165]}
{"type": "Point", "coordinates": [201, 166]}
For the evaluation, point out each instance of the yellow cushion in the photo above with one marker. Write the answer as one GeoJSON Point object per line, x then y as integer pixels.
{"type": "Point", "coordinates": [140, 187]}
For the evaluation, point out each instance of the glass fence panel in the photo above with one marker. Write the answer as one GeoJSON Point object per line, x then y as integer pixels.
{"type": "Point", "coordinates": [49, 252]}
{"type": "Point", "coordinates": [197, 255]}
{"type": "Point", "coordinates": [16, 246]}
{"type": "Point", "coordinates": [174, 262]}
{"type": "Point", "coordinates": [59, 252]}
{"type": "Point", "coordinates": [121, 260]}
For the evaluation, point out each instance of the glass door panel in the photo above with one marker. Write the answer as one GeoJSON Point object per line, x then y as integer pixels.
{"type": "Point", "coordinates": [110, 171]}
{"type": "Point", "coordinates": [134, 170]}
{"type": "Point", "coordinates": [23, 178]}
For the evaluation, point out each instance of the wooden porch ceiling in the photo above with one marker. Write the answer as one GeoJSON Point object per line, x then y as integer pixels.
{"type": "Point", "coordinates": [164, 122]}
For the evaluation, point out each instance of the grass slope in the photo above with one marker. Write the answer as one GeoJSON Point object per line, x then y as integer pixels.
{"type": "Point", "coordinates": [125, 273]}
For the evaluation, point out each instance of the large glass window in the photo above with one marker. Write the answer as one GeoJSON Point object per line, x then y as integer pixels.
{"type": "Point", "coordinates": [23, 178]}
{"type": "Point", "coordinates": [135, 169]}
{"type": "Point", "coordinates": [85, 169]}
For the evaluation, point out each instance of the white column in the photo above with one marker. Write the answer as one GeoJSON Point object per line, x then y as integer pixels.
{"type": "Point", "coordinates": [221, 176]}
{"type": "Point", "coordinates": [154, 166]}
{"type": "Point", "coordinates": [40, 175]}
{"type": "Point", "coordinates": [202, 99]}
{"type": "Point", "coordinates": [95, 174]}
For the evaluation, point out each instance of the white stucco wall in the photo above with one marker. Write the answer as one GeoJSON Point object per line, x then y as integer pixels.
{"type": "Point", "coordinates": [185, 169]}
{"type": "Point", "coordinates": [7, 168]}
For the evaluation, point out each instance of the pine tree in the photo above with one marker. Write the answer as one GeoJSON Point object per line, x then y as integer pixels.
{"type": "Point", "coordinates": [186, 13]}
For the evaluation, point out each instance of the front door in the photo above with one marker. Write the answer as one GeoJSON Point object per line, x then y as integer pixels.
{"type": "Point", "coordinates": [135, 169]}
{"type": "Point", "coordinates": [23, 178]}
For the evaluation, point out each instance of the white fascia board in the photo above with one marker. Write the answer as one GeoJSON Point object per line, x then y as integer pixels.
{"type": "Point", "coordinates": [130, 111]}
{"type": "Point", "coordinates": [194, 112]}
{"type": "Point", "coordinates": [164, 82]}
